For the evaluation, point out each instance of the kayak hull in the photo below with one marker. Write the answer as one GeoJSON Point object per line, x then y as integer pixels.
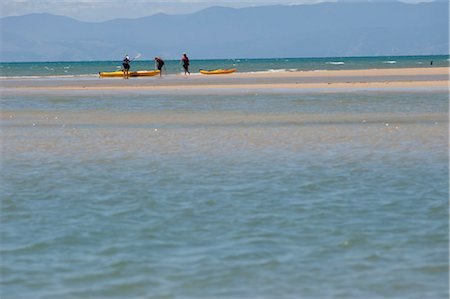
{"type": "Point", "coordinates": [217, 72]}
{"type": "Point", "coordinates": [130, 74]}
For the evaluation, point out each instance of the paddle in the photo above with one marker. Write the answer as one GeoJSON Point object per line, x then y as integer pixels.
{"type": "Point", "coordinates": [136, 57]}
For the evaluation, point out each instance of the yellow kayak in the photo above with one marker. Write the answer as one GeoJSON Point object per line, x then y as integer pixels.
{"type": "Point", "coordinates": [217, 72]}
{"type": "Point", "coordinates": [130, 74]}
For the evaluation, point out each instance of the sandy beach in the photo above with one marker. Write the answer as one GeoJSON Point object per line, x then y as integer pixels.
{"type": "Point", "coordinates": [339, 80]}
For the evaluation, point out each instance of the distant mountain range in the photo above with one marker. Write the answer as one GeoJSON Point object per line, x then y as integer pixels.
{"type": "Point", "coordinates": [319, 30]}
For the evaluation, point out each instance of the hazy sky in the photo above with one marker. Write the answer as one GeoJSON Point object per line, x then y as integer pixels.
{"type": "Point", "coordinates": [100, 10]}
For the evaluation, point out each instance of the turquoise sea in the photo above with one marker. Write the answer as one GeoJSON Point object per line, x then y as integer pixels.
{"type": "Point", "coordinates": [91, 68]}
{"type": "Point", "coordinates": [247, 195]}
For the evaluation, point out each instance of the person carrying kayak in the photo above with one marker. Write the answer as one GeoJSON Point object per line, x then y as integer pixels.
{"type": "Point", "coordinates": [185, 61]}
{"type": "Point", "coordinates": [159, 63]}
{"type": "Point", "coordinates": [126, 66]}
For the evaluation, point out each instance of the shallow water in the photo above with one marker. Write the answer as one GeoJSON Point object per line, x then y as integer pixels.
{"type": "Point", "coordinates": [249, 196]}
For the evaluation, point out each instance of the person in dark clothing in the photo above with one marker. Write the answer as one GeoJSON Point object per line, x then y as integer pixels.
{"type": "Point", "coordinates": [185, 61]}
{"type": "Point", "coordinates": [126, 66]}
{"type": "Point", "coordinates": [159, 63]}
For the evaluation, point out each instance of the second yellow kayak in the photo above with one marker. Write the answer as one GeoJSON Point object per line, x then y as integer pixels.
{"type": "Point", "coordinates": [130, 74]}
{"type": "Point", "coordinates": [217, 72]}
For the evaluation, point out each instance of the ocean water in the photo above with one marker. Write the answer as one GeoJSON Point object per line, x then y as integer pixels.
{"type": "Point", "coordinates": [91, 68]}
{"type": "Point", "coordinates": [321, 195]}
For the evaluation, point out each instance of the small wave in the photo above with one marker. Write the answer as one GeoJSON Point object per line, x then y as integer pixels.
{"type": "Point", "coordinates": [271, 71]}
{"type": "Point", "coordinates": [335, 62]}
{"type": "Point", "coordinates": [31, 247]}
{"type": "Point", "coordinates": [390, 62]}
{"type": "Point", "coordinates": [276, 70]}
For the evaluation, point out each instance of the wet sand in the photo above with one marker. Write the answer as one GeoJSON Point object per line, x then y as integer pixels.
{"type": "Point", "coordinates": [219, 130]}
{"type": "Point", "coordinates": [96, 133]}
{"type": "Point", "coordinates": [216, 129]}
{"type": "Point", "coordinates": [342, 80]}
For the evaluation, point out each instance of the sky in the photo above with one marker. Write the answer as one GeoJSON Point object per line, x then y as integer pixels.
{"type": "Point", "coordinates": [102, 10]}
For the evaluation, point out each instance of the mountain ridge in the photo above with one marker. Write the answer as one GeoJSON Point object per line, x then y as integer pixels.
{"type": "Point", "coordinates": [316, 30]}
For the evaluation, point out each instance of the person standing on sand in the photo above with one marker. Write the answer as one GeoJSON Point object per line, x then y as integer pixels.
{"type": "Point", "coordinates": [185, 61]}
{"type": "Point", "coordinates": [126, 66]}
{"type": "Point", "coordinates": [159, 63]}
